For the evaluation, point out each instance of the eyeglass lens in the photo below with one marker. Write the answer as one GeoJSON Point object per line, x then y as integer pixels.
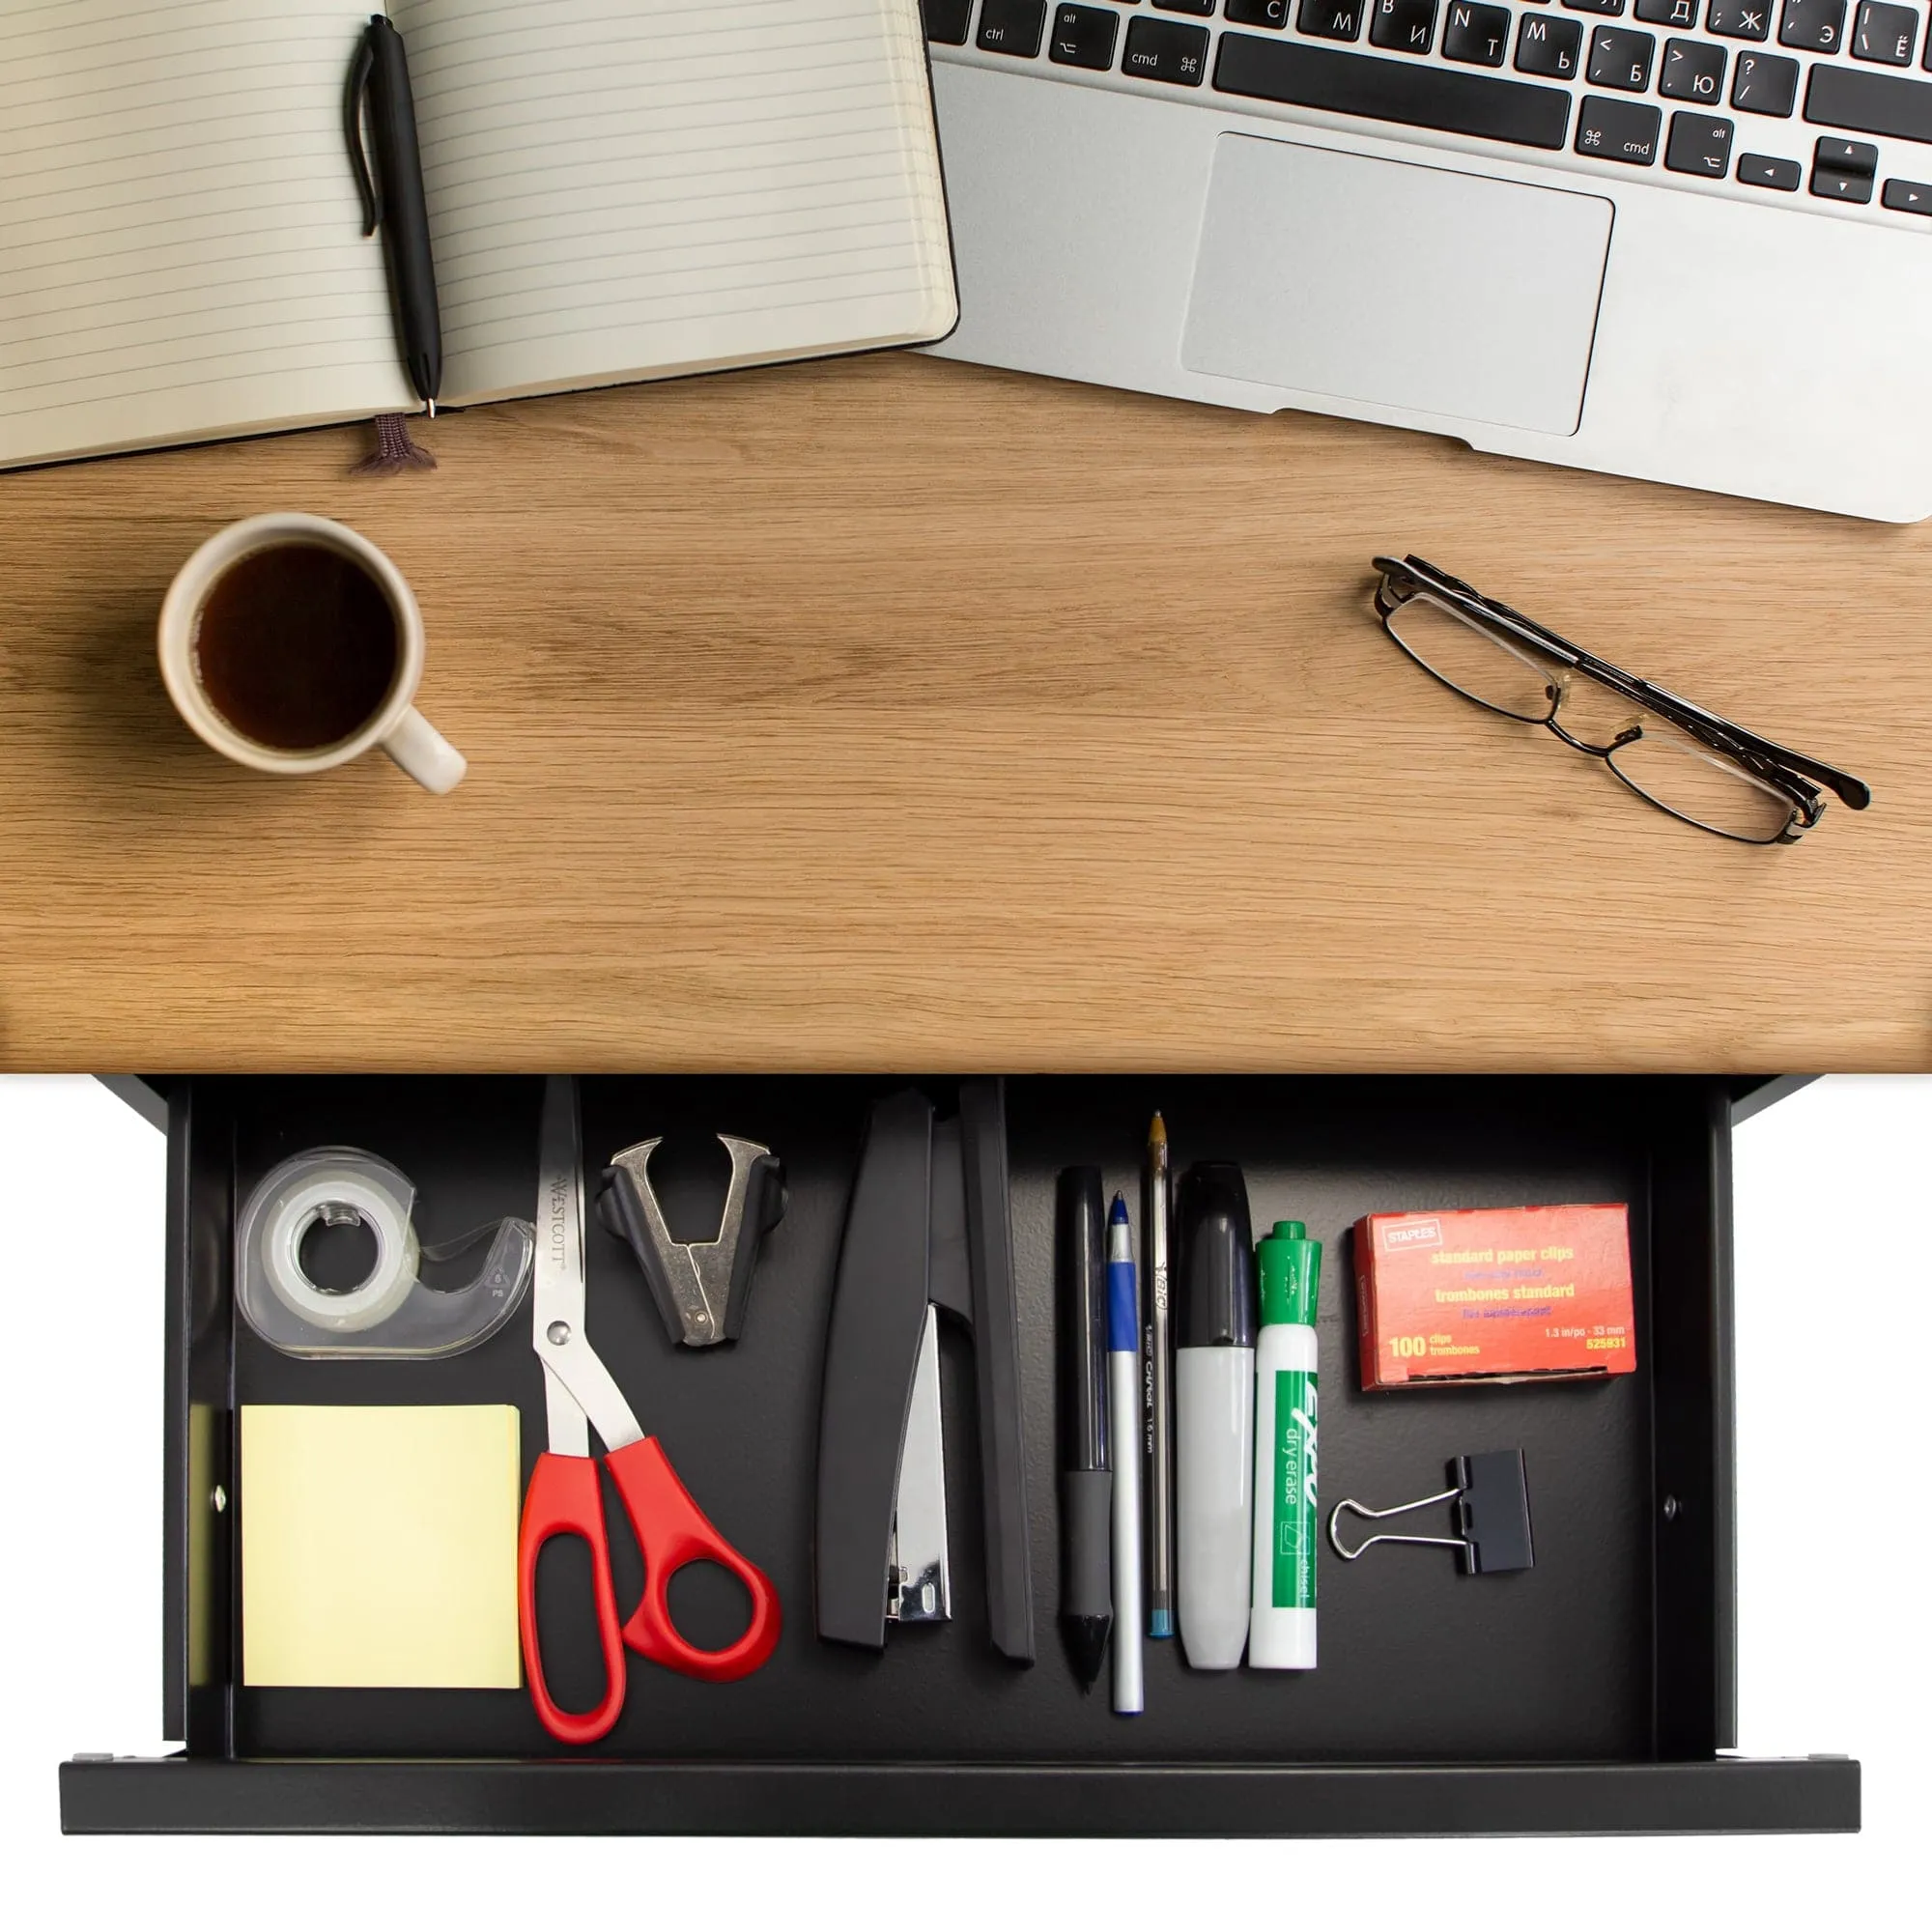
{"type": "Point", "coordinates": [1664, 765]}
{"type": "Point", "coordinates": [1473, 661]}
{"type": "Point", "coordinates": [1671, 769]}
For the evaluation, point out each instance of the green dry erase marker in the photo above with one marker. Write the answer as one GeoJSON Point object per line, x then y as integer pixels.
{"type": "Point", "coordinates": [1281, 1624]}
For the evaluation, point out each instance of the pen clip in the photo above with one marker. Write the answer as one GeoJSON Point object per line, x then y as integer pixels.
{"type": "Point", "coordinates": [361, 69]}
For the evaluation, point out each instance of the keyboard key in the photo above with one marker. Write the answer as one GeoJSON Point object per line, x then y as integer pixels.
{"type": "Point", "coordinates": [1668, 12]}
{"type": "Point", "coordinates": [1013, 26]}
{"type": "Point", "coordinates": [946, 21]}
{"type": "Point", "coordinates": [1596, 6]}
{"type": "Point", "coordinates": [1300, 75]}
{"type": "Point", "coordinates": [1829, 185]}
{"type": "Point", "coordinates": [1408, 25]}
{"type": "Point", "coordinates": [1187, 6]}
{"type": "Point", "coordinates": [1618, 130]}
{"type": "Point", "coordinates": [1765, 84]}
{"type": "Point", "coordinates": [1692, 71]}
{"type": "Point", "coordinates": [1768, 171]}
{"type": "Point", "coordinates": [1479, 36]}
{"type": "Point", "coordinates": [1844, 157]}
{"type": "Point", "coordinates": [1740, 20]}
{"type": "Point", "coordinates": [1084, 36]}
{"type": "Point", "coordinates": [1258, 12]}
{"type": "Point", "coordinates": [1168, 51]}
{"type": "Point", "coordinates": [1870, 103]}
{"type": "Point", "coordinates": [1549, 46]}
{"type": "Point", "coordinates": [1818, 26]}
{"type": "Point", "coordinates": [1699, 144]}
{"type": "Point", "coordinates": [1904, 197]}
{"type": "Point", "coordinates": [1885, 33]}
{"type": "Point", "coordinates": [1621, 58]}
{"type": "Point", "coordinates": [1331, 20]}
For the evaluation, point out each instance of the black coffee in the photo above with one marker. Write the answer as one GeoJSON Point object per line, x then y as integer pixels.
{"type": "Point", "coordinates": [295, 646]}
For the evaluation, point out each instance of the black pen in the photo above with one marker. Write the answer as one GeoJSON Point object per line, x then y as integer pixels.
{"type": "Point", "coordinates": [1086, 1486]}
{"type": "Point", "coordinates": [393, 200]}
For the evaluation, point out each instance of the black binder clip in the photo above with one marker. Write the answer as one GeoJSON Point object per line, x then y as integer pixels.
{"type": "Point", "coordinates": [1491, 1501]}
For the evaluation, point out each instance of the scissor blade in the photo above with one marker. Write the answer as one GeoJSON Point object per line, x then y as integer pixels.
{"type": "Point", "coordinates": [579, 1391]}
{"type": "Point", "coordinates": [556, 1285]}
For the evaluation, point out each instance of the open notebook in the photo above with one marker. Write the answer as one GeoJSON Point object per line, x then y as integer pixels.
{"type": "Point", "coordinates": [617, 189]}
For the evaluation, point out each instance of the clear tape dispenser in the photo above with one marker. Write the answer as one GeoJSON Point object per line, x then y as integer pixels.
{"type": "Point", "coordinates": [414, 1303]}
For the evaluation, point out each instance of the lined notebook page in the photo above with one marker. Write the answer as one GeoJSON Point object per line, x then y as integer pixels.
{"type": "Point", "coordinates": [181, 244]}
{"type": "Point", "coordinates": [629, 187]}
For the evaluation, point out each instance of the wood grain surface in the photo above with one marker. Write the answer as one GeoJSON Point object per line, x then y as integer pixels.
{"type": "Point", "coordinates": [893, 713]}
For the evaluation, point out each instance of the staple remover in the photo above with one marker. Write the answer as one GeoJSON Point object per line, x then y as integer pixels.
{"type": "Point", "coordinates": [702, 1289]}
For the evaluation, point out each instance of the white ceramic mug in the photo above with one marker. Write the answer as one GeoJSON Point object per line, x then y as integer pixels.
{"type": "Point", "coordinates": [396, 725]}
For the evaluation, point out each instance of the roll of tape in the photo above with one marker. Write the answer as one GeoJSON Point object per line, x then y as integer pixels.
{"type": "Point", "coordinates": [328, 1191]}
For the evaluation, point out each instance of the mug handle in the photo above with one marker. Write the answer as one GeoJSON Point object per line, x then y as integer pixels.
{"type": "Point", "coordinates": [425, 753]}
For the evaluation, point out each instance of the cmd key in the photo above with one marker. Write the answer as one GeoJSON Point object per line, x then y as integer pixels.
{"type": "Point", "coordinates": [1618, 130]}
{"type": "Point", "coordinates": [1167, 50]}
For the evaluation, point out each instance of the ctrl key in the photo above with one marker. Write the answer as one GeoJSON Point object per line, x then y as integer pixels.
{"type": "Point", "coordinates": [1618, 130]}
{"type": "Point", "coordinates": [1768, 171]}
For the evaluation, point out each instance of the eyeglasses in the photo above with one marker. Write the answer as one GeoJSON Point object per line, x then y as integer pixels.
{"type": "Point", "coordinates": [1683, 759]}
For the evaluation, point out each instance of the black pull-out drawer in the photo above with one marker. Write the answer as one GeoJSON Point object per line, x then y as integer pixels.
{"type": "Point", "coordinates": [1593, 1692]}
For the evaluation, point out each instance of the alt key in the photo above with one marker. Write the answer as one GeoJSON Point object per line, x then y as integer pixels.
{"type": "Point", "coordinates": [1700, 144]}
{"type": "Point", "coordinates": [1083, 37]}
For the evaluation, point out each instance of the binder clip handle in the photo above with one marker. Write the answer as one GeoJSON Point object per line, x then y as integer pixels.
{"type": "Point", "coordinates": [1492, 1497]}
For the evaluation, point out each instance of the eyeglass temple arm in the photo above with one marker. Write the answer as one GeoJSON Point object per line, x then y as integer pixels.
{"type": "Point", "coordinates": [1854, 791]}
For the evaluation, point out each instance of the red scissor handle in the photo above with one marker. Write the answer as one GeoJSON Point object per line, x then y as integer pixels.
{"type": "Point", "coordinates": [672, 1532]}
{"type": "Point", "coordinates": [565, 1499]}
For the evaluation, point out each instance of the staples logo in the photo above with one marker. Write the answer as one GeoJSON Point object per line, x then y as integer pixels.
{"type": "Point", "coordinates": [1412, 1235]}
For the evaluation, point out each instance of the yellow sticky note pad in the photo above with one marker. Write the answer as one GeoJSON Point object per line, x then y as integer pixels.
{"type": "Point", "coordinates": [378, 1548]}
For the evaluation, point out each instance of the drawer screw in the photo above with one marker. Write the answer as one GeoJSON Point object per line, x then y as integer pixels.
{"type": "Point", "coordinates": [1670, 1509]}
{"type": "Point", "coordinates": [218, 1496]}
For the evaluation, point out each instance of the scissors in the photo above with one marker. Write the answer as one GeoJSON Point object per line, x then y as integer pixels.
{"type": "Point", "coordinates": [565, 1498]}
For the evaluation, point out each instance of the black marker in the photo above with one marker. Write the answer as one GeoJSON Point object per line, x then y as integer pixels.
{"type": "Point", "coordinates": [1085, 1486]}
{"type": "Point", "coordinates": [393, 199]}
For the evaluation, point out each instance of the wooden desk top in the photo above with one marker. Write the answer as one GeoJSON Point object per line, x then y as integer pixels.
{"type": "Point", "coordinates": [896, 712]}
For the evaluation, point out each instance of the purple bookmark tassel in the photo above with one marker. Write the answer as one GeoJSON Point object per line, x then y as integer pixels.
{"type": "Point", "coordinates": [394, 450]}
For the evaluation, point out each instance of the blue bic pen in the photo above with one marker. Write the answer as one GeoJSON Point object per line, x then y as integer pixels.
{"type": "Point", "coordinates": [1123, 1364]}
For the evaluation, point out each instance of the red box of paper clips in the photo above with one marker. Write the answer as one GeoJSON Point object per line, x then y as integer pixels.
{"type": "Point", "coordinates": [1495, 1295]}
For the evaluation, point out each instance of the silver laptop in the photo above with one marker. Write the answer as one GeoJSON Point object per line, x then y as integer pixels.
{"type": "Point", "coordinates": [1686, 239]}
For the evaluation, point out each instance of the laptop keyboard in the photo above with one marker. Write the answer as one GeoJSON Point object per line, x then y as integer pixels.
{"type": "Point", "coordinates": [1773, 98]}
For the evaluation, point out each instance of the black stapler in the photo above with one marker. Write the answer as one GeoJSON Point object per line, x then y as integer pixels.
{"type": "Point", "coordinates": [928, 1228]}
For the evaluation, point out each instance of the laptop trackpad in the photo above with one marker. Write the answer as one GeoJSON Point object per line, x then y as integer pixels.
{"type": "Point", "coordinates": [1416, 287]}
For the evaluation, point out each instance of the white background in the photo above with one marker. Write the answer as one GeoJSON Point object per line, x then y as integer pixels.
{"type": "Point", "coordinates": [1834, 1381]}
